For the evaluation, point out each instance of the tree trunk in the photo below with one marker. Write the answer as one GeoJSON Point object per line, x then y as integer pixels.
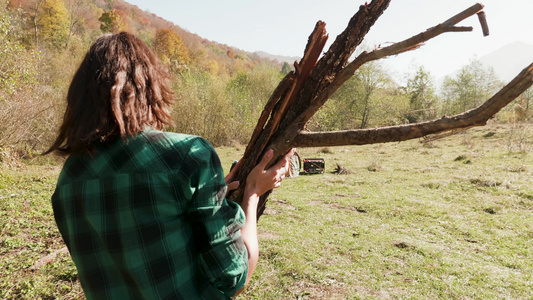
{"type": "Point", "coordinates": [36, 33]}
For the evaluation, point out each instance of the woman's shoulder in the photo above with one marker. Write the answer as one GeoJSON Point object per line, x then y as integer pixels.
{"type": "Point", "coordinates": [187, 144]}
{"type": "Point", "coordinates": [173, 138]}
{"type": "Point", "coordinates": [179, 151]}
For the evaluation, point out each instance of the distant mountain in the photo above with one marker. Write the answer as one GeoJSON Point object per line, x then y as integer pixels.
{"type": "Point", "coordinates": [509, 60]}
{"type": "Point", "coordinates": [280, 58]}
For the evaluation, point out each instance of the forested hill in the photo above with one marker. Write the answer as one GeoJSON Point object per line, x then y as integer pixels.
{"type": "Point", "coordinates": [59, 23]}
{"type": "Point", "coordinates": [220, 90]}
{"type": "Point", "coordinates": [43, 42]}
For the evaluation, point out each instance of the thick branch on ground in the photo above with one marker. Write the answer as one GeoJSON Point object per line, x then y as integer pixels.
{"type": "Point", "coordinates": [48, 259]}
{"type": "Point", "coordinates": [475, 117]}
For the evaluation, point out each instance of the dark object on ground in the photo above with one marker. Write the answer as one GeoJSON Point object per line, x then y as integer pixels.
{"type": "Point", "coordinates": [340, 170]}
{"type": "Point", "coordinates": [314, 165]}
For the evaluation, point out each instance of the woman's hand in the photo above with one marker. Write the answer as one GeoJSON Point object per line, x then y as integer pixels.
{"type": "Point", "coordinates": [232, 184]}
{"type": "Point", "coordinates": [259, 181]}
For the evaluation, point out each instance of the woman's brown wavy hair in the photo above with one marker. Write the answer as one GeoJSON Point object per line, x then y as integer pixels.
{"type": "Point", "coordinates": [119, 90]}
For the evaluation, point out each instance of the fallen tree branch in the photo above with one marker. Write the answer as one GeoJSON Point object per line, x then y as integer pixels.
{"type": "Point", "coordinates": [322, 73]}
{"type": "Point", "coordinates": [48, 259]}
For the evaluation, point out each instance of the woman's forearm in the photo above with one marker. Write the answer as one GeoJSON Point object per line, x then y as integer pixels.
{"type": "Point", "coordinates": [249, 233]}
{"type": "Point", "coordinates": [258, 182]}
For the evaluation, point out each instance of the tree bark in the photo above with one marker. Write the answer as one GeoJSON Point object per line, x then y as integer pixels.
{"type": "Point", "coordinates": [311, 79]}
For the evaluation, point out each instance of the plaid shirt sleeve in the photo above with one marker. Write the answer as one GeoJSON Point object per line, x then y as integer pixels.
{"type": "Point", "coordinates": [147, 219]}
{"type": "Point", "coordinates": [216, 224]}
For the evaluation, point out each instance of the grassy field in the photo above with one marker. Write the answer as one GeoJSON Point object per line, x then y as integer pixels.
{"type": "Point", "coordinates": [448, 219]}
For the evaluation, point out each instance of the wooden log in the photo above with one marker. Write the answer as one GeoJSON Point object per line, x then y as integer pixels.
{"type": "Point", "coordinates": [313, 80]}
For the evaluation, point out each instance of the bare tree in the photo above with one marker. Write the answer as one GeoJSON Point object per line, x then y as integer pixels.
{"type": "Point", "coordinates": [34, 8]}
{"type": "Point", "coordinates": [76, 9]}
{"type": "Point", "coordinates": [302, 92]}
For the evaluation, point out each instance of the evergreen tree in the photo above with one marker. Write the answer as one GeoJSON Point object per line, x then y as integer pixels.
{"type": "Point", "coordinates": [285, 68]}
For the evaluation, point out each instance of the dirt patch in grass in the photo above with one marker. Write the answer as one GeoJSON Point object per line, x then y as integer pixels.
{"type": "Point", "coordinates": [319, 291]}
{"type": "Point", "coordinates": [279, 207]}
{"type": "Point", "coordinates": [283, 204]}
{"type": "Point", "coordinates": [315, 202]}
{"type": "Point", "coordinates": [485, 183]}
{"type": "Point", "coordinates": [348, 196]}
{"type": "Point", "coordinates": [350, 208]}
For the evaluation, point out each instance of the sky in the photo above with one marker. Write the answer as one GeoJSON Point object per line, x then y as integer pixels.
{"type": "Point", "coordinates": [281, 27]}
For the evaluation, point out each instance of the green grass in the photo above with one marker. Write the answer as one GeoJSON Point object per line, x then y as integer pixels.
{"type": "Point", "coordinates": [450, 219]}
{"type": "Point", "coordinates": [28, 233]}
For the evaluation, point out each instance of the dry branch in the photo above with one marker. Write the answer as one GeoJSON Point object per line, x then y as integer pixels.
{"type": "Point", "coordinates": [321, 74]}
{"type": "Point", "coordinates": [303, 92]}
{"type": "Point", "coordinates": [48, 259]}
{"type": "Point", "coordinates": [409, 44]}
{"type": "Point", "coordinates": [483, 20]}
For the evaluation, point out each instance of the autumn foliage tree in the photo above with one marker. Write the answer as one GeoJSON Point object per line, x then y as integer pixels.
{"type": "Point", "coordinates": [25, 117]}
{"type": "Point", "coordinates": [170, 48]}
{"type": "Point", "coordinates": [54, 22]}
{"type": "Point", "coordinates": [16, 4]}
{"type": "Point", "coordinates": [112, 21]}
{"type": "Point", "coordinates": [17, 65]}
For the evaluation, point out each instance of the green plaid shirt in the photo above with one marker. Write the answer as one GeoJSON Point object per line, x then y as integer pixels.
{"type": "Point", "coordinates": [147, 218]}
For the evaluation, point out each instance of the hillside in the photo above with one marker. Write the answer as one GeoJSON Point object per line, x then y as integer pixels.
{"type": "Point", "coordinates": [280, 58]}
{"type": "Point", "coordinates": [194, 42]}
{"type": "Point", "coordinates": [220, 90]}
{"type": "Point", "coordinates": [509, 60]}
{"type": "Point", "coordinates": [82, 19]}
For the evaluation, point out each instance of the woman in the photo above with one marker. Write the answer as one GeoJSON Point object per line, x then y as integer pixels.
{"type": "Point", "coordinates": [142, 211]}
